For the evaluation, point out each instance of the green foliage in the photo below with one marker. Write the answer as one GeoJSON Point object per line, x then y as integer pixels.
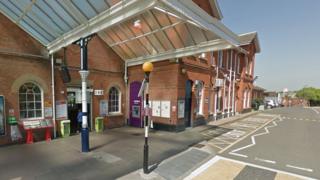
{"type": "Point", "coordinates": [311, 94]}
{"type": "Point", "coordinates": [256, 103]}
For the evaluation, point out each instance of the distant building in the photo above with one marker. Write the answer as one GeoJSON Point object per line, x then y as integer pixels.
{"type": "Point", "coordinates": [258, 92]}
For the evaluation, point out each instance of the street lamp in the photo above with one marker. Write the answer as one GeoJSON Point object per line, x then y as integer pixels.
{"type": "Point", "coordinates": [147, 68]}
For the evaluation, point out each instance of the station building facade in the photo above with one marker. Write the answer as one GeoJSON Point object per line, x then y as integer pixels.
{"type": "Point", "coordinates": [186, 89]}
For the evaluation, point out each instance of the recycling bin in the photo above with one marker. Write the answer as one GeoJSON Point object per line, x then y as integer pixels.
{"type": "Point", "coordinates": [65, 128]}
{"type": "Point", "coordinates": [99, 124]}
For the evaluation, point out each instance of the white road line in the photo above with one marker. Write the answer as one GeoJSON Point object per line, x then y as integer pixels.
{"type": "Point", "coordinates": [300, 168]}
{"type": "Point", "coordinates": [265, 160]}
{"type": "Point", "coordinates": [315, 110]}
{"type": "Point", "coordinates": [253, 141]}
{"type": "Point", "coordinates": [266, 168]}
{"type": "Point", "coordinates": [248, 134]}
{"type": "Point", "coordinates": [301, 119]}
{"type": "Point", "coordinates": [202, 168]}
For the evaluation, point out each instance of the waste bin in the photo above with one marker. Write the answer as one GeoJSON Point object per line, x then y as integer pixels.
{"type": "Point", "coordinates": [65, 128]}
{"type": "Point", "coordinates": [99, 124]}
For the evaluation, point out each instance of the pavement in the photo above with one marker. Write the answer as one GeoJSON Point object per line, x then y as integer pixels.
{"type": "Point", "coordinates": [274, 144]}
{"type": "Point", "coordinates": [114, 153]}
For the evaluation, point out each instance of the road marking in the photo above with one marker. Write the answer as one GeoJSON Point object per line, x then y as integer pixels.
{"type": "Point", "coordinates": [301, 119]}
{"type": "Point", "coordinates": [265, 160]}
{"type": "Point", "coordinates": [202, 168]}
{"type": "Point", "coordinates": [300, 168]}
{"type": "Point", "coordinates": [253, 141]}
{"type": "Point", "coordinates": [266, 168]}
{"type": "Point", "coordinates": [315, 110]}
{"type": "Point", "coordinates": [249, 134]}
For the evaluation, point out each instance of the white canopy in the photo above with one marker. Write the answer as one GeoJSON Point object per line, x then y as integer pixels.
{"type": "Point", "coordinates": [169, 28]}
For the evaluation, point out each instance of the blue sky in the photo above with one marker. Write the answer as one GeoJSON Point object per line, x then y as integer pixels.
{"type": "Point", "coordinates": [289, 34]}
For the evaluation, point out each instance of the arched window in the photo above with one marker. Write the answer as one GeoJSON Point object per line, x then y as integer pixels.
{"type": "Point", "coordinates": [114, 100]}
{"type": "Point", "coordinates": [30, 101]}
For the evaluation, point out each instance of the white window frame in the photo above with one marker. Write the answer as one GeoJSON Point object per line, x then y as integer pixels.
{"type": "Point", "coordinates": [119, 101]}
{"type": "Point", "coordinates": [42, 103]}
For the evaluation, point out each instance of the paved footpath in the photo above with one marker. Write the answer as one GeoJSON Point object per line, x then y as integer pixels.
{"type": "Point", "coordinates": [217, 140]}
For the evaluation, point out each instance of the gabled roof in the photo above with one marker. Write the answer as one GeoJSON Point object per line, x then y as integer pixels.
{"type": "Point", "coordinates": [248, 38]}
{"type": "Point", "coordinates": [216, 9]}
{"type": "Point", "coordinates": [259, 88]}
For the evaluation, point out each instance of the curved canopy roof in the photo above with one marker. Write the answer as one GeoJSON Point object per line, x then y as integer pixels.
{"type": "Point", "coordinates": [167, 28]}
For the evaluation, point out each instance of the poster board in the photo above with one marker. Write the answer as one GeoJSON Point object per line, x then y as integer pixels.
{"type": "Point", "coordinates": [165, 109]}
{"type": "Point", "coordinates": [103, 108]}
{"type": "Point", "coordinates": [156, 108]}
{"type": "Point", "coordinates": [2, 116]}
{"type": "Point", "coordinates": [181, 105]}
{"type": "Point", "coordinates": [61, 110]}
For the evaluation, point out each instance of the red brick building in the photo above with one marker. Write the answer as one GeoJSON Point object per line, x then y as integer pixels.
{"type": "Point", "coordinates": [202, 70]}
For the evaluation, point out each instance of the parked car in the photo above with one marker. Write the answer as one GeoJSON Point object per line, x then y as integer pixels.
{"type": "Point", "coordinates": [270, 104]}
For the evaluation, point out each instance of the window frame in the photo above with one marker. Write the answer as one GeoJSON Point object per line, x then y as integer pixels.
{"type": "Point", "coordinates": [42, 103]}
{"type": "Point", "coordinates": [119, 101]}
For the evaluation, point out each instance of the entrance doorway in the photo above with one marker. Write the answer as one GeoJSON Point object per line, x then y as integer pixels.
{"type": "Point", "coordinates": [188, 103]}
{"type": "Point", "coordinates": [135, 105]}
{"type": "Point", "coordinates": [75, 105]}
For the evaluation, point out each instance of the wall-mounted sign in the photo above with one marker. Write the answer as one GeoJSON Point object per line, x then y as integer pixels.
{"type": "Point", "coordinates": [180, 108]}
{"type": "Point", "coordinates": [98, 92]}
{"type": "Point", "coordinates": [103, 107]}
{"type": "Point", "coordinates": [165, 109]}
{"type": "Point", "coordinates": [2, 117]}
{"type": "Point", "coordinates": [48, 112]}
{"type": "Point", "coordinates": [156, 108]}
{"type": "Point", "coordinates": [219, 83]}
{"type": "Point", "coordinates": [61, 110]}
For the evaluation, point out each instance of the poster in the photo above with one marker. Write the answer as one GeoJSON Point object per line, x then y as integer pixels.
{"type": "Point", "coordinates": [2, 116]}
{"type": "Point", "coordinates": [61, 110]}
{"type": "Point", "coordinates": [180, 108]}
{"type": "Point", "coordinates": [103, 108]}
{"type": "Point", "coordinates": [165, 109]}
{"type": "Point", "coordinates": [156, 107]}
{"type": "Point", "coordinates": [48, 112]}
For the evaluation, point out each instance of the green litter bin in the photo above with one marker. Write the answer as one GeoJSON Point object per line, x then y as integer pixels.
{"type": "Point", "coordinates": [99, 124]}
{"type": "Point", "coordinates": [65, 128]}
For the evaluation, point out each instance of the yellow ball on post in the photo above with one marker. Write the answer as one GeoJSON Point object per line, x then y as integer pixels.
{"type": "Point", "coordinates": [147, 67]}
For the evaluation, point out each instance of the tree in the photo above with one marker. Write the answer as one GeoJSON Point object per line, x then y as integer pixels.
{"type": "Point", "coordinates": [311, 94]}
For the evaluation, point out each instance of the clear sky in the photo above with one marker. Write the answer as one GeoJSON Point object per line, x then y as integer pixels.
{"type": "Point", "coordinates": [289, 34]}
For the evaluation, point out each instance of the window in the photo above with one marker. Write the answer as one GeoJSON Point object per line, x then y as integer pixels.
{"type": "Point", "coordinates": [213, 63]}
{"type": "Point", "coordinates": [220, 59]}
{"type": "Point", "coordinates": [238, 64]}
{"type": "Point", "coordinates": [114, 100]}
{"type": "Point", "coordinates": [30, 101]}
{"type": "Point", "coordinates": [247, 65]}
{"type": "Point", "coordinates": [227, 60]}
{"type": "Point", "coordinates": [199, 85]}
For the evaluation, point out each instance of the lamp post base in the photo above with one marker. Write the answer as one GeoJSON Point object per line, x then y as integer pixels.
{"type": "Point", "coordinates": [85, 139]}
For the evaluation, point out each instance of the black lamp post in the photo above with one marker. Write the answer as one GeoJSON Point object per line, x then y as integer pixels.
{"type": "Point", "coordinates": [147, 68]}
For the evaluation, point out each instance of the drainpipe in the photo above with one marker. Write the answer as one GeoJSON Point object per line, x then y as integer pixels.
{"type": "Point", "coordinates": [53, 98]}
{"type": "Point", "coordinates": [229, 92]}
{"type": "Point", "coordinates": [233, 92]}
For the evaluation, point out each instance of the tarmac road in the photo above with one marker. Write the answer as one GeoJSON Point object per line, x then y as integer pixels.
{"type": "Point", "coordinates": [290, 143]}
